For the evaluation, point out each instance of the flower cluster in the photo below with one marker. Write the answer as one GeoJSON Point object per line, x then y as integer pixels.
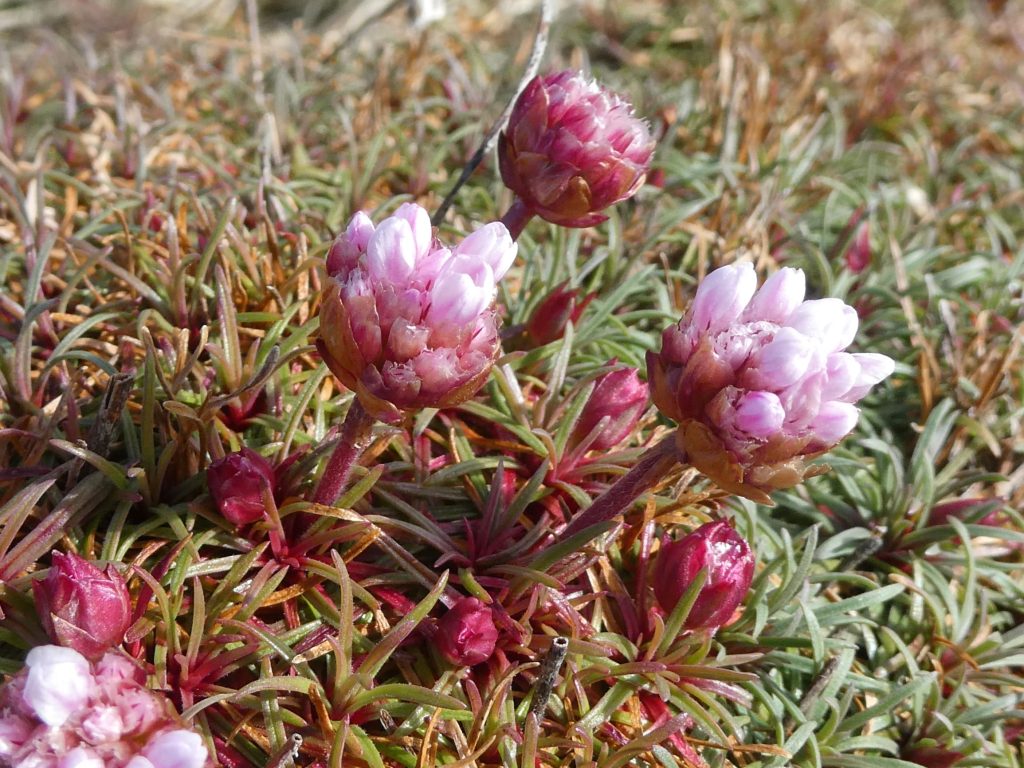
{"type": "Point", "coordinates": [758, 380]}
{"type": "Point", "coordinates": [61, 711]}
{"type": "Point", "coordinates": [572, 148]}
{"type": "Point", "coordinates": [406, 322]}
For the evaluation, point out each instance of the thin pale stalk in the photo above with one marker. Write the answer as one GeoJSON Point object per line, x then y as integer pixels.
{"type": "Point", "coordinates": [355, 437]}
{"type": "Point", "coordinates": [540, 43]}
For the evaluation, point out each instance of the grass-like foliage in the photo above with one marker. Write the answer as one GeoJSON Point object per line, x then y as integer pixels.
{"type": "Point", "coordinates": [169, 187]}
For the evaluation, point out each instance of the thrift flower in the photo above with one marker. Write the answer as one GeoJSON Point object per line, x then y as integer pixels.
{"type": "Point", "coordinates": [466, 634]}
{"type": "Point", "coordinates": [237, 484]}
{"type": "Point", "coordinates": [82, 607]}
{"type": "Point", "coordinates": [406, 322]}
{"type": "Point", "coordinates": [62, 711]}
{"type": "Point", "coordinates": [572, 148]}
{"type": "Point", "coordinates": [730, 567]}
{"type": "Point", "coordinates": [758, 380]}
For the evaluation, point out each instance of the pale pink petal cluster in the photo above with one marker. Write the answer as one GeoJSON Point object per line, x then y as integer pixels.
{"type": "Point", "coordinates": [63, 711]}
{"type": "Point", "coordinates": [756, 378]}
{"type": "Point", "coordinates": [406, 322]}
{"type": "Point", "coordinates": [573, 148]}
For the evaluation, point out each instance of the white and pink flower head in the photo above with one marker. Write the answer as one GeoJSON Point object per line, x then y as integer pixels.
{"type": "Point", "coordinates": [407, 322]}
{"type": "Point", "coordinates": [759, 380]}
{"type": "Point", "coordinates": [572, 148]}
{"type": "Point", "coordinates": [63, 711]}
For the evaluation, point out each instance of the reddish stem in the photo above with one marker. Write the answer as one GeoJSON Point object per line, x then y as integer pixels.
{"type": "Point", "coordinates": [355, 437]}
{"type": "Point", "coordinates": [651, 467]}
{"type": "Point", "coordinates": [516, 218]}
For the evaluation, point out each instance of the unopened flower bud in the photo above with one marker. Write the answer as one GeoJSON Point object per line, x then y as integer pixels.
{"type": "Point", "coordinates": [572, 148]}
{"type": "Point", "coordinates": [758, 380]}
{"type": "Point", "coordinates": [858, 255]}
{"type": "Point", "coordinates": [82, 607]}
{"type": "Point", "coordinates": [238, 483]}
{"type": "Point", "coordinates": [933, 757]}
{"type": "Point", "coordinates": [615, 406]}
{"type": "Point", "coordinates": [466, 634]}
{"type": "Point", "coordinates": [553, 314]}
{"type": "Point", "coordinates": [980, 511]}
{"type": "Point", "coordinates": [406, 322]}
{"type": "Point", "coordinates": [729, 563]}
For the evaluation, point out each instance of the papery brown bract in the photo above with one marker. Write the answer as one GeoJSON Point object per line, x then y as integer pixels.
{"type": "Point", "coordinates": [82, 607]}
{"type": "Point", "coordinates": [572, 148]}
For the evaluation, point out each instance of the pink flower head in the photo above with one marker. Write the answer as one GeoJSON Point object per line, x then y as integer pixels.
{"type": "Point", "coordinates": [82, 607]}
{"type": "Point", "coordinates": [758, 380]}
{"type": "Point", "coordinates": [572, 148]}
{"type": "Point", "coordinates": [62, 711]}
{"type": "Point", "coordinates": [729, 562]}
{"type": "Point", "coordinates": [466, 634]}
{"type": "Point", "coordinates": [238, 483]}
{"type": "Point", "coordinates": [406, 322]}
{"type": "Point", "coordinates": [614, 408]}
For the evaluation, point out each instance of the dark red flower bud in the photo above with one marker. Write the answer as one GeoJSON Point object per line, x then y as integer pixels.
{"type": "Point", "coordinates": [81, 607]}
{"type": "Point", "coordinates": [967, 509]}
{"type": "Point", "coordinates": [933, 757]}
{"type": "Point", "coordinates": [617, 402]}
{"type": "Point", "coordinates": [730, 567]}
{"type": "Point", "coordinates": [239, 414]}
{"type": "Point", "coordinates": [572, 148]}
{"type": "Point", "coordinates": [553, 314]}
{"type": "Point", "coordinates": [237, 483]}
{"type": "Point", "coordinates": [466, 635]}
{"type": "Point", "coordinates": [858, 255]}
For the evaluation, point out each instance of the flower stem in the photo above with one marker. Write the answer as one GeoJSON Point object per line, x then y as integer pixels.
{"type": "Point", "coordinates": [516, 218]}
{"type": "Point", "coordinates": [651, 467]}
{"type": "Point", "coordinates": [355, 437]}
